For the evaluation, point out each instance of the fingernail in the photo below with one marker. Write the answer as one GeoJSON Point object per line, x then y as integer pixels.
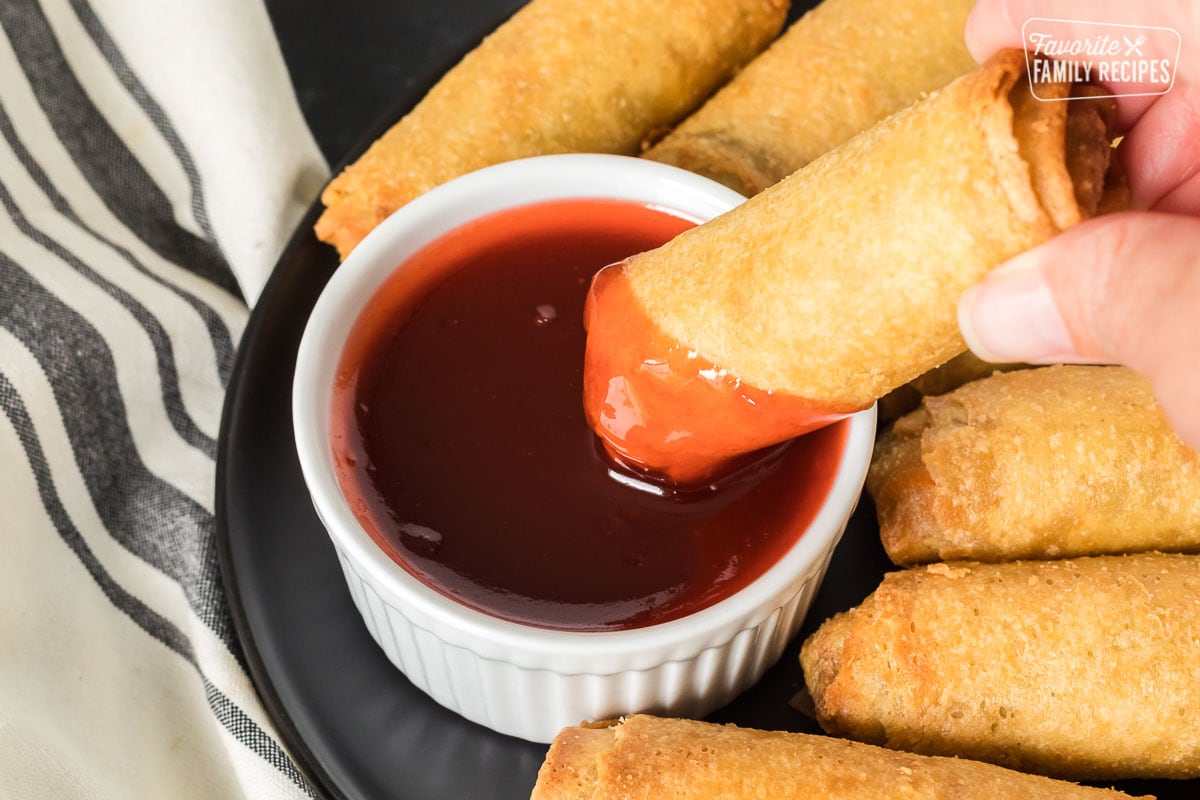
{"type": "Point", "coordinates": [1012, 317]}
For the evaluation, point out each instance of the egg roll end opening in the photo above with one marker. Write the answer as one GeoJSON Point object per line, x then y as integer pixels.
{"type": "Point", "coordinates": [1064, 135]}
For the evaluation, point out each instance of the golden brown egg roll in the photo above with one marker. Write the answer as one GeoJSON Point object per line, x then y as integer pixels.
{"type": "Point", "coordinates": [963, 368]}
{"type": "Point", "coordinates": [560, 76]}
{"type": "Point", "coordinates": [1043, 463]}
{"type": "Point", "coordinates": [838, 70]}
{"type": "Point", "coordinates": [653, 758]}
{"type": "Point", "coordinates": [1084, 669]}
{"type": "Point", "coordinates": [838, 284]}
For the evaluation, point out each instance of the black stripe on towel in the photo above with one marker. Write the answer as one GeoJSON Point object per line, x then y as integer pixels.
{"type": "Point", "coordinates": [100, 154]}
{"type": "Point", "coordinates": [168, 375]}
{"type": "Point", "coordinates": [222, 341]}
{"type": "Point", "coordinates": [231, 717]}
{"type": "Point", "coordinates": [149, 516]}
{"type": "Point", "coordinates": [138, 92]}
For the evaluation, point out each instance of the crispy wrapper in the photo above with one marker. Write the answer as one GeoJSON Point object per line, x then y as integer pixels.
{"type": "Point", "coordinates": [653, 758]}
{"type": "Point", "coordinates": [841, 282]}
{"type": "Point", "coordinates": [560, 76]}
{"type": "Point", "coordinates": [963, 368]}
{"type": "Point", "coordinates": [841, 68]}
{"type": "Point", "coordinates": [1084, 669]}
{"type": "Point", "coordinates": [1043, 463]}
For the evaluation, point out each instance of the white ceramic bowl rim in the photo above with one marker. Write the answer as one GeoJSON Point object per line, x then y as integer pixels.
{"type": "Point", "coordinates": [512, 184]}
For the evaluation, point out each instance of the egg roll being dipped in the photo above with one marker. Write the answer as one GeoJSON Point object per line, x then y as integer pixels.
{"type": "Point", "coordinates": [841, 68]}
{"type": "Point", "coordinates": [1043, 463]}
{"type": "Point", "coordinates": [560, 76]}
{"type": "Point", "coordinates": [650, 758]}
{"type": "Point", "coordinates": [1085, 668]}
{"type": "Point", "coordinates": [838, 284]}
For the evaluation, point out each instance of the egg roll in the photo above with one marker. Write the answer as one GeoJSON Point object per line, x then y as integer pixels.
{"type": "Point", "coordinates": [1043, 463]}
{"type": "Point", "coordinates": [560, 76]}
{"type": "Point", "coordinates": [838, 70]}
{"type": "Point", "coordinates": [1087, 669]}
{"type": "Point", "coordinates": [823, 293]}
{"type": "Point", "coordinates": [655, 758]}
{"type": "Point", "coordinates": [963, 368]}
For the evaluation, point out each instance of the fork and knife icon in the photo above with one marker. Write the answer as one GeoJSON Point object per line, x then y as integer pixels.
{"type": "Point", "coordinates": [1134, 46]}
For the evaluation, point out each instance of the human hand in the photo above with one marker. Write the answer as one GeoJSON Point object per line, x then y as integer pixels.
{"type": "Point", "coordinates": [1122, 288]}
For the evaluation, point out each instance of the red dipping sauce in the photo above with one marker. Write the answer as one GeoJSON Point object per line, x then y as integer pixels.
{"type": "Point", "coordinates": [459, 438]}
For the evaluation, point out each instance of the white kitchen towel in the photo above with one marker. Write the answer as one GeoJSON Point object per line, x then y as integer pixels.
{"type": "Point", "coordinates": [153, 161]}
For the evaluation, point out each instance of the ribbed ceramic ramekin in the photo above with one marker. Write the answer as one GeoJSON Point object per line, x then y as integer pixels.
{"type": "Point", "coordinates": [516, 679]}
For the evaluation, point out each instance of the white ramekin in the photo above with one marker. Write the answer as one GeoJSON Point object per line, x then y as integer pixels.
{"type": "Point", "coordinates": [519, 680]}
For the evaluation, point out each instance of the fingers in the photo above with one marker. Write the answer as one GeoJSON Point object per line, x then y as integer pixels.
{"type": "Point", "coordinates": [996, 24]}
{"type": "Point", "coordinates": [1120, 289]}
{"type": "Point", "coordinates": [1123, 288]}
{"type": "Point", "coordinates": [1162, 153]}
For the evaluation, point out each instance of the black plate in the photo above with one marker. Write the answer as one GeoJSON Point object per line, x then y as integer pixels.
{"type": "Point", "coordinates": [359, 729]}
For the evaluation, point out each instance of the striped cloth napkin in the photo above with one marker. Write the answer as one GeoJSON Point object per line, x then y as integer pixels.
{"type": "Point", "coordinates": [153, 161]}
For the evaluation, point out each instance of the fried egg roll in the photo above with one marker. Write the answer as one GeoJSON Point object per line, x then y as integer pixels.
{"type": "Point", "coordinates": [838, 70]}
{"type": "Point", "coordinates": [560, 76]}
{"type": "Point", "coordinates": [1083, 669]}
{"type": "Point", "coordinates": [654, 758]}
{"type": "Point", "coordinates": [963, 368]}
{"type": "Point", "coordinates": [1042, 463]}
{"type": "Point", "coordinates": [838, 284]}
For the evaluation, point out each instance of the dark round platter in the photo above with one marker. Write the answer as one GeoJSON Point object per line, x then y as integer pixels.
{"type": "Point", "coordinates": [358, 728]}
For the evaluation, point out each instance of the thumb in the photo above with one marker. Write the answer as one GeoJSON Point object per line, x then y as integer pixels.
{"type": "Point", "coordinates": [1119, 289]}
